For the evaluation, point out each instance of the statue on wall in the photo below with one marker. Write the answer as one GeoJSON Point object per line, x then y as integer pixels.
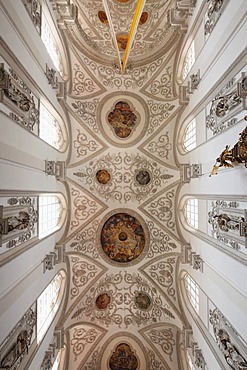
{"type": "Point", "coordinates": [229, 341]}
{"type": "Point", "coordinates": [237, 154]}
{"type": "Point", "coordinates": [19, 350]}
{"type": "Point", "coordinates": [226, 223]}
{"type": "Point", "coordinates": [19, 222]}
{"type": "Point", "coordinates": [231, 354]}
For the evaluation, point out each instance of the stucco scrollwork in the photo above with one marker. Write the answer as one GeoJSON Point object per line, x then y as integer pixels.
{"type": "Point", "coordinates": [82, 272]}
{"type": "Point", "coordinates": [162, 147]}
{"type": "Point", "coordinates": [84, 146]}
{"type": "Point", "coordinates": [134, 77]}
{"type": "Point", "coordinates": [85, 241]}
{"type": "Point", "coordinates": [159, 112]}
{"type": "Point", "coordinates": [130, 177]}
{"type": "Point", "coordinates": [142, 177]}
{"type": "Point", "coordinates": [84, 207]}
{"type": "Point", "coordinates": [110, 189]}
{"type": "Point", "coordinates": [163, 272]}
{"type": "Point", "coordinates": [142, 303]}
{"type": "Point", "coordinates": [164, 338]}
{"type": "Point", "coordinates": [163, 86]}
{"type": "Point", "coordinates": [160, 242]}
{"type": "Point", "coordinates": [153, 364]}
{"type": "Point", "coordinates": [92, 363]}
{"type": "Point", "coordinates": [163, 209]}
{"type": "Point", "coordinates": [86, 110]}
{"type": "Point", "coordinates": [82, 337]}
{"type": "Point", "coordinates": [81, 84]}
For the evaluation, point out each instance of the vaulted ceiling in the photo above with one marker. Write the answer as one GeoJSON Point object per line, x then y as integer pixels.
{"type": "Point", "coordinates": [123, 242]}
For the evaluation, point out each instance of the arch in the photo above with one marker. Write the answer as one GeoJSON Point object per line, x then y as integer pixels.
{"type": "Point", "coordinates": [49, 302]}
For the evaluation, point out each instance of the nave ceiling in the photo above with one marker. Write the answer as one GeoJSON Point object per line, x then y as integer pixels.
{"type": "Point", "coordinates": [123, 242]}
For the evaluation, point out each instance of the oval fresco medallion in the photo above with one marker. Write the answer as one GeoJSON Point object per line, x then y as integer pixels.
{"type": "Point", "coordinates": [102, 301]}
{"type": "Point", "coordinates": [144, 18]}
{"type": "Point", "coordinates": [123, 118]}
{"type": "Point", "coordinates": [123, 358]}
{"type": "Point", "coordinates": [103, 17]}
{"type": "Point", "coordinates": [103, 176]}
{"type": "Point", "coordinates": [122, 238]}
{"type": "Point", "coordinates": [143, 301]}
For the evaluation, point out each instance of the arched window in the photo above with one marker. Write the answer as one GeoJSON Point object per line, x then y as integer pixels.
{"type": "Point", "coordinates": [51, 210]}
{"type": "Point", "coordinates": [48, 304]}
{"type": "Point", "coordinates": [189, 60]}
{"type": "Point", "coordinates": [50, 129]}
{"type": "Point", "coordinates": [189, 139]}
{"type": "Point", "coordinates": [50, 43]}
{"type": "Point", "coordinates": [191, 212]}
{"type": "Point", "coordinates": [192, 291]}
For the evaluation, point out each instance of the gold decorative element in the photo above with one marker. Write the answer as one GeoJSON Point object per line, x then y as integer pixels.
{"type": "Point", "coordinates": [237, 154]}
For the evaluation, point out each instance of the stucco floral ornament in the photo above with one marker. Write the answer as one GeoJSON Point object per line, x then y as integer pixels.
{"type": "Point", "coordinates": [82, 145]}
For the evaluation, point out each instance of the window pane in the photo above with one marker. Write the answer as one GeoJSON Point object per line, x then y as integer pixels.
{"type": "Point", "coordinates": [49, 214]}
{"type": "Point", "coordinates": [192, 290]}
{"type": "Point", "coordinates": [189, 139]}
{"type": "Point", "coordinates": [47, 305]}
{"type": "Point", "coordinates": [191, 212]}
{"type": "Point", "coordinates": [49, 128]}
{"type": "Point", "coordinates": [50, 43]}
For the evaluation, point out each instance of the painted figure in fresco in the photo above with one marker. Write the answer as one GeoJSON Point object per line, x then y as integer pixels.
{"type": "Point", "coordinates": [123, 358]}
{"type": "Point", "coordinates": [144, 18]}
{"type": "Point", "coordinates": [21, 347]}
{"type": "Point", "coordinates": [18, 223]}
{"type": "Point", "coordinates": [122, 41]}
{"type": "Point", "coordinates": [102, 301]}
{"type": "Point", "coordinates": [143, 177]}
{"type": "Point", "coordinates": [122, 238]}
{"type": "Point", "coordinates": [122, 119]}
{"type": "Point", "coordinates": [142, 301]}
{"type": "Point", "coordinates": [102, 17]}
{"type": "Point", "coordinates": [103, 176]}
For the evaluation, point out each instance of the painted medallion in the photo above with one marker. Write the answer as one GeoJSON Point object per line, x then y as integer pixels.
{"type": "Point", "coordinates": [122, 238]}
{"type": "Point", "coordinates": [122, 119]}
{"type": "Point", "coordinates": [103, 176]}
{"type": "Point", "coordinates": [122, 40]}
{"type": "Point", "coordinates": [144, 18]}
{"type": "Point", "coordinates": [143, 177]}
{"type": "Point", "coordinates": [102, 17]}
{"type": "Point", "coordinates": [123, 358]}
{"type": "Point", "coordinates": [102, 301]}
{"type": "Point", "coordinates": [142, 301]}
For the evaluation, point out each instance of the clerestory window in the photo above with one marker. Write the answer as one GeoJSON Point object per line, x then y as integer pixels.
{"type": "Point", "coordinates": [192, 290]}
{"type": "Point", "coordinates": [189, 138]}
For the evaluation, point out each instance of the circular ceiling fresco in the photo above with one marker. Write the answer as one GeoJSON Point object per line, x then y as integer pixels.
{"type": "Point", "coordinates": [123, 237]}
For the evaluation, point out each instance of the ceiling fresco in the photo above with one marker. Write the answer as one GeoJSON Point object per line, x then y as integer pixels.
{"type": "Point", "coordinates": [123, 245]}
